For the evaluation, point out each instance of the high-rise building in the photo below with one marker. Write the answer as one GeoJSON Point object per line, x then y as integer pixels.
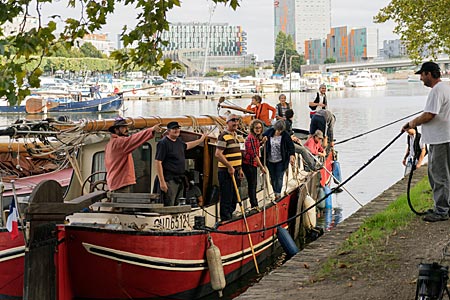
{"type": "Point", "coordinates": [337, 44]}
{"type": "Point", "coordinates": [220, 39]}
{"type": "Point", "coordinates": [303, 20]}
{"type": "Point", "coordinates": [359, 44]}
{"type": "Point", "coordinates": [284, 17]}
{"type": "Point", "coordinates": [210, 46]}
{"type": "Point", "coordinates": [363, 43]}
{"type": "Point", "coordinates": [315, 51]}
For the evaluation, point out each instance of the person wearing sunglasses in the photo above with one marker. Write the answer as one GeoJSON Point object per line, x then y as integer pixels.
{"type": "Point", "coordinates": [228, 153]}
{"type": "Point", "coordinates": [251, 160]}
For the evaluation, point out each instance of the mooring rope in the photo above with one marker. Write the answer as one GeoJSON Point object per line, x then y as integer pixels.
{"type": "Point", "coordinates": [234, 232]}
{"type": "Point", "coordinates": [378, 128]}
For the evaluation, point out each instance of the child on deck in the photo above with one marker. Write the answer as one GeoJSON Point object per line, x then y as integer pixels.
{"type": "Point", "coordinates": [314, 143]}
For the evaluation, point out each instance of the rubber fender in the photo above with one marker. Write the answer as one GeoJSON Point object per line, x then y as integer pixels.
{"type": "Point", "coordinates": [309, 218]}
{"type": "Point", "coordinates": [328, 200]}
{"type": "Point", "coordinates": [337, 172]}
{"type": "Point", "coordinates": [286, 242]}
{"type": "Point", "coordinates": [320, 195]}
{"type": "Point", "coordinates": [215, 267]}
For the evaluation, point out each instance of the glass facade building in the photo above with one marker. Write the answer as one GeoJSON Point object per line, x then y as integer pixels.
{"type": "Point", "coordinates": [303, 20]}
{"type": "Point", "coordinates": [220, 39]}
{"type": "Point", "coordinates": [359, 44]}
{"type": "Point", "coordinates": [205, 46]}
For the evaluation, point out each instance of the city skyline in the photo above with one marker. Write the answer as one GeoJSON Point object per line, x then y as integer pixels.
{"type": "Point", "coordinates": [255, 16]}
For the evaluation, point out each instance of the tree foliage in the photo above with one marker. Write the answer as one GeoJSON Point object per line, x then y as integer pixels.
{"type": "Point", "coordinates": [25, 48]}
{"type": "Point", "coordinates": [285, 43]}
{"type": "Point", "coordinates": [330, 60]}
{"type": "Point", "coordinates": [89, 50]}
{"type": "Point", "coordinates": [422, 26]}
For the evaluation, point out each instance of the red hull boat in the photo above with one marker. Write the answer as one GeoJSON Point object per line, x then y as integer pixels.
{"type": "Point", "coordinates": [152, 253]}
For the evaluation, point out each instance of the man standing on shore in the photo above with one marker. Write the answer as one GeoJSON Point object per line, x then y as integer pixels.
{"type": "Point", "coordinates": [435, 121]}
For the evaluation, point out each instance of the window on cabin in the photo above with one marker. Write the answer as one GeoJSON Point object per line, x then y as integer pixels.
{"type": "Point", "coordinates": [142, 168]}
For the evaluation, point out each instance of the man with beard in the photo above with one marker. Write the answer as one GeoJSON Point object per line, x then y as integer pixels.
{"type": "Point", "coordinates": [435, 121]}
{"type": "Point", "coordinates": [228, 153]}
{"type": "Point", "coordinates": [170, 163]}
{"type": "Point", "coordinates": [118, 159]}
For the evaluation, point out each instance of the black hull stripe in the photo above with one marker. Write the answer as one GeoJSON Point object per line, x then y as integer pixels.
{"type": "Point", "coordinates": [12, 253]}
{"type": "Point", "coordinates": [176, 265]}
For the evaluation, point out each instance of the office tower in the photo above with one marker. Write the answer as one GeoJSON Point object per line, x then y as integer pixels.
{"type": "Point", "coordinates": [303, 20]}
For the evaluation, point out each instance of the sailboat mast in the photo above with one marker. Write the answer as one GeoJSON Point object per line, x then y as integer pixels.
{"type": "Point", "coordinates": [212, 8]}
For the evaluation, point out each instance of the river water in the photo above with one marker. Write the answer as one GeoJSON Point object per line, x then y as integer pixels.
{"type": "Point", "coordinates": [357, 110]}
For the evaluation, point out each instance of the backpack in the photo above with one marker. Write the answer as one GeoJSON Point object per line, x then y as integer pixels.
{"type": "Point", "coordinates": [417, 149]}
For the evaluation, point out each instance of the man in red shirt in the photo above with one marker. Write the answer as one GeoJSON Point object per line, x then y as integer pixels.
{"type": "Point", "coordinates": [118, 159]}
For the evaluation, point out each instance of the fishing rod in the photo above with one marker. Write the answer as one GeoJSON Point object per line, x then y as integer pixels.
{"type": "Point", "coordinates": [234, 232]}
{"type": "Point", "coordinates": [378, 128]}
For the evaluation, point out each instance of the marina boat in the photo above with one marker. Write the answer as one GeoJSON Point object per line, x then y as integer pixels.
{"type": "Point", "coordinates": [53, 103]}
{"type": "Point", "coordinates": [361, 79]}
{"type": "Point", "coordinates": [334, 81]}
{"type": "Point", "coordinates": [378, 78]}
{"type": "Point", "coordinates": [294, 82]}
{"type": "Point", "coordinates": [271, 85]}
{"type": "Point", "coordinates": [129, 246]}
{"type": "Point", "coordinates": [314, 80]}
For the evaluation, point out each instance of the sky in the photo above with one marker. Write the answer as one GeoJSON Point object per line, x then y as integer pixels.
{"type": "Point", "coordinates": [256, 18]}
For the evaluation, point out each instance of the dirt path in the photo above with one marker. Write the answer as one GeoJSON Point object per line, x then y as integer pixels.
{"type": "Point", "coordinates": [391, 272]}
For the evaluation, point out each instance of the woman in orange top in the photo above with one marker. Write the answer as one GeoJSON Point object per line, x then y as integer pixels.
{"type": "Point", "coordinates": [262, 110]}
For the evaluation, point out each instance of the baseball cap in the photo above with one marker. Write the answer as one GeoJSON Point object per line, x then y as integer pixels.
{"type": "Point", "coordinates": [428, 66]}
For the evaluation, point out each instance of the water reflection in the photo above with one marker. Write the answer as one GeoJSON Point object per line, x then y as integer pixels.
{"type": "Point", "coordinates": [330, 218]}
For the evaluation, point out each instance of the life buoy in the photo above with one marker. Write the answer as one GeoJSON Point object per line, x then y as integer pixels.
{"type": "Point", "coordinates": [133, 91]}
{"type": "Point", "coordinates": [309, 218]}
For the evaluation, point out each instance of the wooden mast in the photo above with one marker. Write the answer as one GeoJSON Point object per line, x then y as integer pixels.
{"type": "Point", "coordinates": [145, 122]}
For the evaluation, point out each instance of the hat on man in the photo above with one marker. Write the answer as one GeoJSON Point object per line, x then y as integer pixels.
{"type": "Point", "coordinates": [173, 125]}
{"type": "Point", "coordinates": [232, 117]}
{"type": "Point", "coordinates": [118, 123]}
{"type": "Point", "coordinates": [428, 66]}
{"type": "Point", "coordinates": [319, 134]}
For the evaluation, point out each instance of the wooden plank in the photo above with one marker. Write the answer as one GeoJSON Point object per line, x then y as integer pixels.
{"type": "Point", "coordinates": [128, 205]}
{"type": "Point", "coordinates": [65, 208]}
{"type": "Point", "coordinates": [134, 197]}
{"type": "Point", "coordinates": [157, 207]}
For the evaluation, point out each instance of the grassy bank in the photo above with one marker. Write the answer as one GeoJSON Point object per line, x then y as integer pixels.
{"type": "Point", "coordinates": [365, 246]}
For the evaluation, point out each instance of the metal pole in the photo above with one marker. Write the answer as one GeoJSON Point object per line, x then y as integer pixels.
{"type": "Point", "coordinates": [290, 77]}
{"type": "Point", "coordinates": [21, 221]}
